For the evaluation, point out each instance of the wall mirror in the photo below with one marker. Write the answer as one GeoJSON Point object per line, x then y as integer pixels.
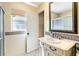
{"type": "Point", "coordinates": [63, 17]}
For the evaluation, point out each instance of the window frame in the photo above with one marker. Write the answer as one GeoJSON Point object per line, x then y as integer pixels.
{"type": "Point", "coordinates": [25, 20]}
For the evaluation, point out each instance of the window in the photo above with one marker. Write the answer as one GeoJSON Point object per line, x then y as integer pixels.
{"type": "Point", "coordinates": [18, 23]}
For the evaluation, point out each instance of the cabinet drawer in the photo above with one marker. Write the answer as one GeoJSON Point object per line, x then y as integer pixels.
{"type": "Point", "coordinates": [53, 50]}
{"type": "Point", "coordinates": [52, 54]}
{"type": "Point", "coordinates": [56, 50]}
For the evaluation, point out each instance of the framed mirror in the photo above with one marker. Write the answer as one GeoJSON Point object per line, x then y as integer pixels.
{"type": "Point", "coordinates": [63, 17]}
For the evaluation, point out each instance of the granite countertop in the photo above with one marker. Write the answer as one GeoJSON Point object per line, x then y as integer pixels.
{"type": "Point", "coordinates": [64, 44]}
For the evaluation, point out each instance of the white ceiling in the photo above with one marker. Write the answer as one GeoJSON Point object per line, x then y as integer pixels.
{"type": "Point", "coordinates": [60, 7]}
{"type": "Point", "coordinates": [35, 4]}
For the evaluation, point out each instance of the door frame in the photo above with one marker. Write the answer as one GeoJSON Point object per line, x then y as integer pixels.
{"type": "Point", "coordinates": [42, 11]}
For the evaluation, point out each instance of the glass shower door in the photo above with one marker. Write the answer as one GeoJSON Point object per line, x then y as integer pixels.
{"type": "Point", "coordinates": [1, 32]}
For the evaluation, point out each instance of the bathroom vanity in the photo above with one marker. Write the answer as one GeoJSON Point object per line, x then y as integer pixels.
{"type": "Point", "coordinates": [62, 19]}
{"type": "Point", "coordinates": [62, 47]}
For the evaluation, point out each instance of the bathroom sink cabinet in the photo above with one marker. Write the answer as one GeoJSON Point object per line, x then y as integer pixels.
{"type": "Point", "coordinates": [53, 51]}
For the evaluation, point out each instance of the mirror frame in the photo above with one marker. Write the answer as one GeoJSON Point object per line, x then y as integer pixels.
{"type": "Point", "coordinates": [74, 15]}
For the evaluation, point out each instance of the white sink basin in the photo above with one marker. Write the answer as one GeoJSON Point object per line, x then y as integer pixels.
{"type": "Point", "coordinates": [52, 40]}
{"type": "Point", "coordinates": [55, 40]}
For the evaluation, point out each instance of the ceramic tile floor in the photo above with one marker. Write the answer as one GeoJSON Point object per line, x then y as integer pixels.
{"type": "Point", "coordinates": [37, 52]}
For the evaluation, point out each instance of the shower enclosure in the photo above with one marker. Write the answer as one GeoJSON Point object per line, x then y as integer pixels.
{"type": "Point", "coordinates": [1, 32]}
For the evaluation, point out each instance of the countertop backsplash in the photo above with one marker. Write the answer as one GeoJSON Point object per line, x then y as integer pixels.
{"type": "Point", "coordinates": [74, 37]}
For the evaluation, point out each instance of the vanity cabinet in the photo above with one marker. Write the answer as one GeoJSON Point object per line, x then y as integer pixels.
{"type": "Point", "coordinates": [53, 51]}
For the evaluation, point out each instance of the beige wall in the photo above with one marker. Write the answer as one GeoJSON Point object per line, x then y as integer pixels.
{"type": "Point", "coordinates": [7, 16]}
{"type": "Point", "coordinates": [45, 7]}
{"type": "Point", "coordinates": [53, 15]}
{"type": "Point", "coordinates": [56, 15]}
{"type": "Point", "coordinates": [69, 13]}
